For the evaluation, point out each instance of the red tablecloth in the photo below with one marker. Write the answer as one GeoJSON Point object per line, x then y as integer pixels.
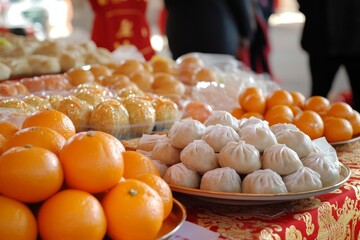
{"type": "Point", "coordinates": [334, 215]}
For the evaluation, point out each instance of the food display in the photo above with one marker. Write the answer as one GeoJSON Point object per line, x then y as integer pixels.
{"type": "Point", "coordinates": [28, 56]}
{"type": "Point", "coordinates": [47, 174]}
{"type": "Point", "coordinates": [272, 158]}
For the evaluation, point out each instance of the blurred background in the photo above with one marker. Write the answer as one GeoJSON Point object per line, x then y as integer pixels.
{"type": "Point", "coordinates": [73, 19]}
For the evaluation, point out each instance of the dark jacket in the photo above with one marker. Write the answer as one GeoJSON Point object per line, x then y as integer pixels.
{"type": "Point", "coordinates": [331, 27]}
{"type": "Point", "coordinates": [210, 26]}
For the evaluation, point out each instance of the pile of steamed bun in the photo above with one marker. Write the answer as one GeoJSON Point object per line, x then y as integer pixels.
{"type": "Point", "coordinates": [225, 154]}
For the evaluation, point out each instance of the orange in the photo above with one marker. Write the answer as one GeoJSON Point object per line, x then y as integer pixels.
{"type": "Point", "coordinates": [37, 136]}
{"type": "Point", "coordinates": [295, 109]}
{"type": "Point", "coordinates": [133, 211]}
{"type": "Point", "coordinates": [279, 97]}
{"type": "Point", "coordinates": [337, 129]}
{"type": "Point", "coordinates": [254, 102]}
{"type": "Point", "coordinates": [136, 164]}
{"type": "Point", "coordinates": [16, 220]}
{"type": "Point", "coordinates": [248, 92]}
{"type": "Point", "coordinates": [355, 122]}
{"type": "Point", "coordinates": [92, 161]}
{"type": "Point", "coordinates": [3, 140]}
{"type": "Point", "coordinates": [7, 129]}
{"type": "Point", "coordinates": [318, 104]}
{"type": "Point", "coordinates": [53, 119]}
{"type": "Point", "coordinates": [30, 174]}
{"type": "Point", "coordinates": [310, 123]}
{"type": "Point", "coordinates": [252, 114]}
{"type": "Point", "coordinates": [162, 188]}
{"type": "Point", "coordinates": [72, 214]}
{"type": "Point", "coordinates": [279, 114]}
{"type": "Point", "coordinates": [79, 76]}
{"type": "Point", "coordinates": [238, 112]}
{"type": "Point", "coordinates": [340, 109]}
{"type": "Point", "coordinates": [299, 99]}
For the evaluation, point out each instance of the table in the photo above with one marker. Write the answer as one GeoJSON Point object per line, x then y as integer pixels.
{"type": "Point", "coordinates": [334, 215]}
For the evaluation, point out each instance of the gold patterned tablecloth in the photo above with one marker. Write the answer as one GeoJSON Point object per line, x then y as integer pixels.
{"type": "Point", "coordinates": [333, 215]}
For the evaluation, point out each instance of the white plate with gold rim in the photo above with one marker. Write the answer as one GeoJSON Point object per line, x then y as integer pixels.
{"type": "Point", "coordinates": [260, 199]}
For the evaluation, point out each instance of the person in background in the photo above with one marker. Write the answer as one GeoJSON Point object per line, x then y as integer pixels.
{"type": "Point", "coordinates": [331, 37]}
{"type": "Point", "coordinates": [208, 26]}
{"type": "Point", "coordinates": [119, 23]}
{"type": "Point", "coordinates": [260, 46]}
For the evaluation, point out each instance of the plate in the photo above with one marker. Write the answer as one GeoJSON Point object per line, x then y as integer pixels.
{"type": "Point", "coordinates": [261, 199]}
{"type": "Point", "coordinates": [173, 222]}
{"type": "Point", "coordinates": [347, 141]}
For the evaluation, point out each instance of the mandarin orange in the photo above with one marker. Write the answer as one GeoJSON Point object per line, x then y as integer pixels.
{"type": "Point", "coordinates": [340, 109]}
{"type": "Point", "coordinates": [53, 119]}
{"type": "Point", "coordinates": [252, 99]}
{"type": "Point", "coordinates": [30, 174]}
{"type": "Point", "coordinates": [298, 99]}
{"type": "Point", "coordinates": [92, 161]}
{"type": "Point", "coordinates": [37, 136]}
{"type": "Point", "coordinates": [3, 140]}
{"type": "Point", "coordinates": [136, 164]}
{"type": "Point", "coordinates": [252, 114]}
{"type": "Point", "coordinates": [72, 214]}
{"type": "Point", "coordinates": [279, 114]}
{"type": "Point", "coordinates": [8, 129]}
{"type": "Point", "coordinates": [355, 122]}
{"type": "Point", "coordinates": [318, 104]}
{"type": "Point", "coordinates": [162, 188]}
{"type": "Point", "coordinates": [337, 129]}
{"type": "Point", "coordinates": [238, 112]}
{"type": "Point", "coordinates": [133, 210]}
{"type": "Point", "coordinates": [310, 123]}
{"type": "Point", "coordinates": [16, 220]}
{"type": "Point", "coordinates": [279, 97]}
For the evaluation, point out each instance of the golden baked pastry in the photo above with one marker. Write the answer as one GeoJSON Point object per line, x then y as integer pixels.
{"type": "Point", "coordinates": [205, 74]}
{"type": "Point", "coordinates": [79, 76]}
{"type": "Point", "coordinates": [110, 116]}
{"type": "Point", "coordinates": [163, 64]}
{"type": "Point", "coordinates": [141, 115]}
{"type": "Point", "coordinates": [77, 110]}
{"type": "Point", "coordinates": [99, 71]}
{"type": "Point", "coordinates": [37, 102]}
{"type": "Point", "coordinates": [89, 96]}
{"type": "Point", "coordinates": [18, 105]}
{"type": "Point", "coordinates": [167, 112]}
{"type": "Point", "coordinates": [166, 84]}
{"type": "Point", "coordinates": [143, 80]}
{"type": "Point", "coordinates": [129, 66]}
{"type": "Point", "coordinates": [129, 92]}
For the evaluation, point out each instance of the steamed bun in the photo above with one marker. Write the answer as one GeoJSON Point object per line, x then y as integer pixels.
{"type": "Point", "coordinates": [221, 180]}
{"type": "Point", "coordinates": [263, 181]}
{"type": "Point", "coordinates": [200, 156]}
{"type": "Point", "coordinates": [242, 157]}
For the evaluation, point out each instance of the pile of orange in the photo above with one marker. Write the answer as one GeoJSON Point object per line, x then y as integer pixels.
{"type": "Point", "coordinates": [59, 184]}
{"type": "Point", "coordinates": [316, 116]}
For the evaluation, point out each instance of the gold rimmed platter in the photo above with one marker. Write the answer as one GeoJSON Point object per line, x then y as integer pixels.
{"type": "Point", "coordinates": [173, 222]}
{"type": "Point", "coordinates": [261, 199]}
